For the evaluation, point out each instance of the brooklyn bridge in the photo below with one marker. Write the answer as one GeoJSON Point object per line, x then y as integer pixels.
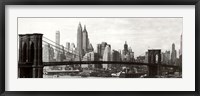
{"type": "Point", "coordinates": [31, 64]}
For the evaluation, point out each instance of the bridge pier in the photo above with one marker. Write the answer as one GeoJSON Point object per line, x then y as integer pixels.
{"type": "Point", "coordinates": [154, 59]}
{"type": "Point", "coordinates": [153, 70]}
{"type": "Point", "coordinates": [30, 56]}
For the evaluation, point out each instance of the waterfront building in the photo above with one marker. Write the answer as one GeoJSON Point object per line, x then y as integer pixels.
{"type": "Point", "coordinates": [90, 56]}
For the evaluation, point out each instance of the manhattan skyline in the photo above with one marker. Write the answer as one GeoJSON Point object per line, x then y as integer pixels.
{"type": "Point", "coordinates": [141, 34]}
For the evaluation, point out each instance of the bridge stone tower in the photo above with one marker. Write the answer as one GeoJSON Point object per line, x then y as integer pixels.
{"type": "Point", "coordinates": [154, 58]}
{"type": "Point", "coordinates": [30, 56]}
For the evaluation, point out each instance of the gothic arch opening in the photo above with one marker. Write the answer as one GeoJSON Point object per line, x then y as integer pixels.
{"type": "Point", "coordinates": [24, 51]}
{"type": "Point", "coordinates": [32, 52]}
{"type": "Point", "coordinates": [156, 57]}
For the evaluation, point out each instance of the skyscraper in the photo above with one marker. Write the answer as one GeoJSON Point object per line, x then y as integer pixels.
{"type": "Point", "coordinates": [126, 53]}
{"type": "Point", "coordinates": [73, 50]}
{"type": "Point", "coordinates": [48, 53]}
{"type": "Point", "coordinates": [146, 57]}
{"type": "Point", "coordinates": [57, 49]}
{"type": "Point", "coordinates": [107, 55]}
{"type": "Point", "coordinates": [58, 37]}
{"type": "Point", "coordinates": [90, 48]}
{"type": "Point", "coordinates": [165, 57]}
{"type": "Point", "coordinates": [115, 56]}
{"type": "Point", "coordinates": [72, 46]}
{"type": "Point", "coordinates": [62, 54]}
{"type": "Point", "coordinates": [100, 49]}
{"type": "Point", "coordinates": [85, 40]}
{"type": "Point", "coordinates": [88, 43]}
{"type": "Point", "coordinates": [103, 46]}
{"type": "Point", "coordinates": [83, 43]}
{"type": "Point", "coordinates": [173, 54]}
{"type": "Point", "coordinates": [180, 54]}
{"type": "Point", "coordinates": [68, 46]}
{"type": "Point", "coordinates": [125, 48]}
{"type": "Point", "coordinates": [79, 41]}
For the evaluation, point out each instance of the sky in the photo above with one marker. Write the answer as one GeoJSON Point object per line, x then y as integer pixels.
{"type": "Point", "coordinates": [141, 34]}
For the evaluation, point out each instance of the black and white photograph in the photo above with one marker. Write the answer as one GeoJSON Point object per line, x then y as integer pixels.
{"type": "Point", "coordinates": [99, 47]}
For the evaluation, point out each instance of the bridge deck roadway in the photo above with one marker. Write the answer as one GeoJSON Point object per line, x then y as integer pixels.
{"type": "Point", "coordinates": [102, 62]}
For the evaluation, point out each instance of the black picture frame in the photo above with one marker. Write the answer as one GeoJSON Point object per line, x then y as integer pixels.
{"type": "Point", "coordinates": [3, 92]}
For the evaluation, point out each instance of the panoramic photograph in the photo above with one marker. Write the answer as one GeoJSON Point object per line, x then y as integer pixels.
{"type": "Point", "coordinates": [91, 47]}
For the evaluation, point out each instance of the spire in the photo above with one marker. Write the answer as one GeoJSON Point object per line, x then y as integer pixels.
{"type": "Point", "coordinates": [79, 25]}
